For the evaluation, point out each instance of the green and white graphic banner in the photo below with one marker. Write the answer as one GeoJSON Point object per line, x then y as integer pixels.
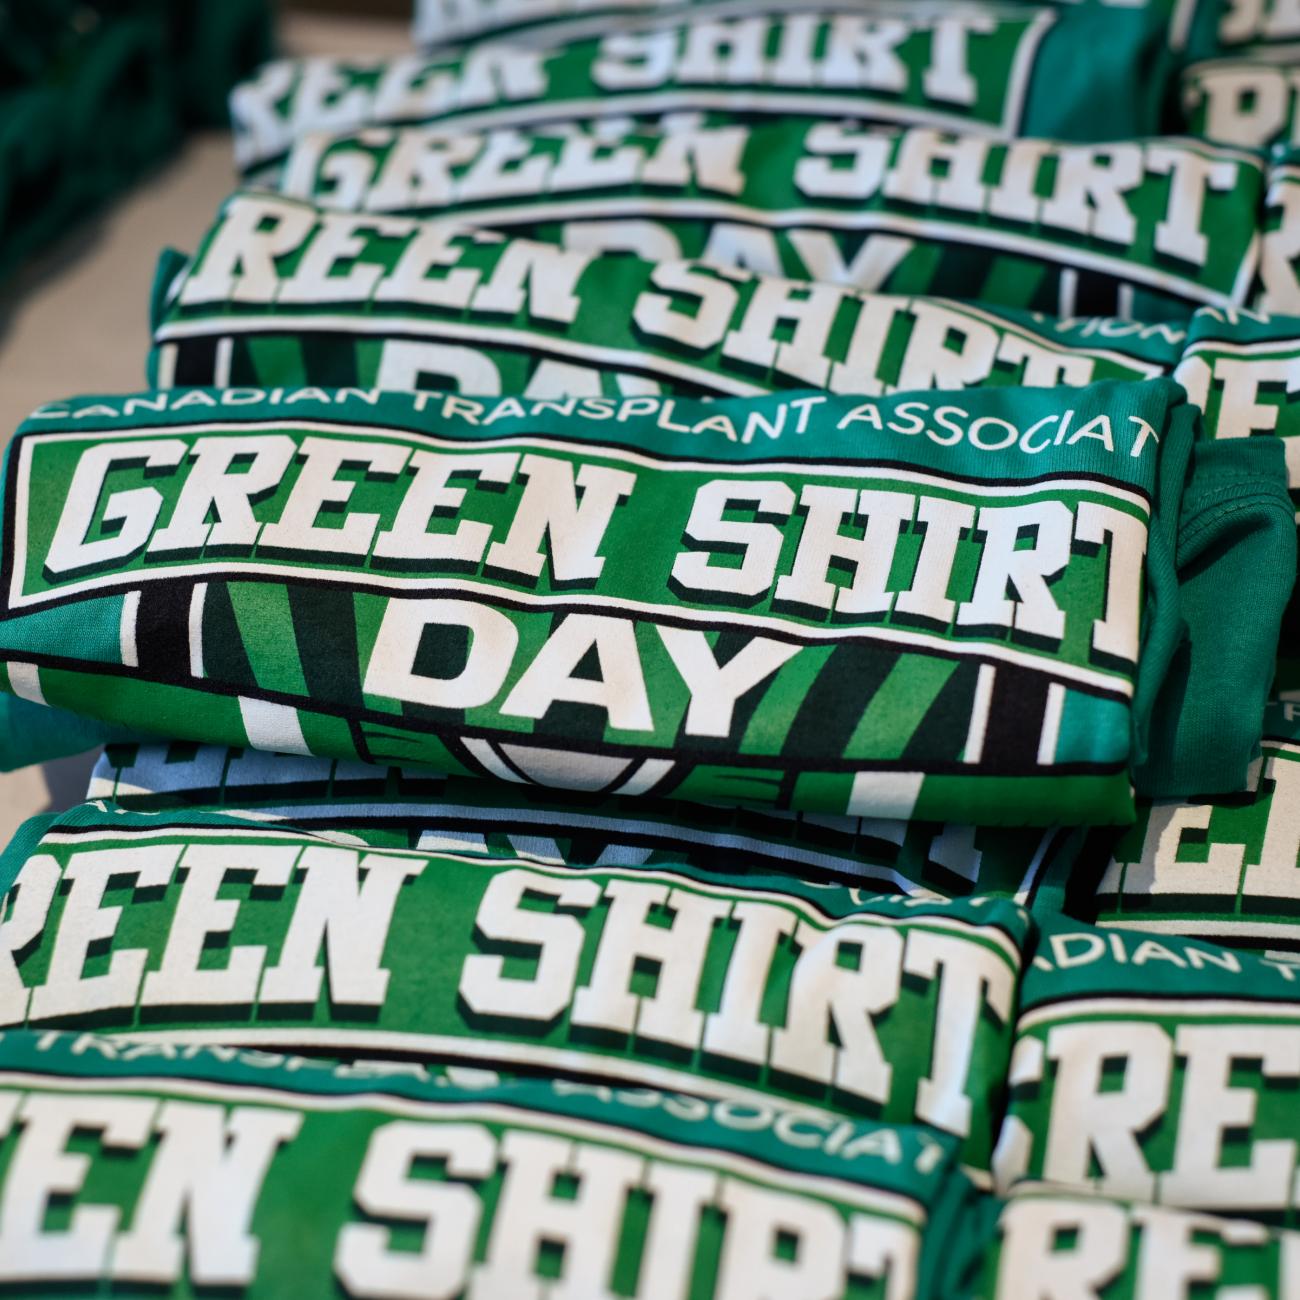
{"type": "Point", "coordinates": [1226, 869]}
{"type": "Point", "coordinates": [1244, 26]}
{"type": "Point", "coordinates": [1145, 228]}
{"type": "Point", "coordinates": [262, 303]}
{"type": "Point", "coordinates": [445, 22]}
{"type": "Point", "coordinates": [753, 987]}
{"type": "Point", "coordinates": [1002, 70]}
{"type": "Point", "coordinates": [1243, 370]}
{"type": "Point", "coordinates": [177, 1172]}
{"type": "Point", "coordinates": [1086, 1246]}
{"type": "Point", "coordinates": [931, 606]}
{"type": "Point", "coordinates": [1156, 1068]}
{"type": "Point", "coordinates": [1251, 99]}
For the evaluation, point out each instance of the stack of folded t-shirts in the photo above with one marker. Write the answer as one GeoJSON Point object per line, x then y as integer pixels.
{"type": "Point", "coordinates": [695, 639]}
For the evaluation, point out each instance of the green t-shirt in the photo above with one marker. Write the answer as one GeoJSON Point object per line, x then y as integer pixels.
{"type": "Point", "coordinates": [259, 305]}
{"type": "Point", "coordinates": [1156, 1068]}
{"type": "Point", "coordinates": [174, 1171]}
{"type": "Point", "coordinates": [1243, 371]}
{"type": "Point", "coordinates": [1277, 288]}
{"type": "Point", "coordinates": [1006, 72]}
{"type": "Point", "coordinates": [403, 808]}
{"type": "Point", "coordinates": [1250, 99]}
{"type": "Point", "coordinates": [445, 22]}
{"type": "Point", "coordinates": [1225, 869]}
{"type": "Point", "coordinates": [1139, 228]}
{"type": "Point", "coordinates": [1087, 1246]}
{"type": "Point", "coordinates": [1239, 27]}
{"type": "Point", "coordinates": [764, 989]}
{"type": "Point", "coordinates": [33, 733]}
{"type": "Point", "coordinates": [636, 596]}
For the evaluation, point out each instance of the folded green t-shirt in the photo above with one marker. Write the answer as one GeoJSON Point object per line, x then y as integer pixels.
{"type": "Point", "coordinates": [1156, 1068]}
{"type": "Point", "coordinates": [1141, 228]}
{"type": "Point", "coordinates": [1251, 98]}
{"type": "Point", "coordinates": [1005, 71]}
{"type": "Point", "coordinates": [872, 1006]}
{"type": "Point", "coordinates": [1243, 370]}
{"type": "Point", "coordinates": [36, 199]}
{"type": "Point", "coordinates": [1063, 1244]}
{"type": "Point", "coordinates": [1224, 868]}
{"type": "Point", "coordinates": [403, 808]}
{"type": "Point", "coordinates": [1236, 565]}
{"type": "Point", "coordinates": [117, 101]}
{"type": "Point", "coordinates": [207, 45]}
{"type": "Point", "coordinates": [1237, 27]}
{"type": "Point", "coordinates": [932, 606]}
{"type": "Point", "coordinates": [258, 305]}
{"type": "Point", "coordinates": [215, 43]}
{"type": "Point", "coordinates": [447, 22]}
{"type": "Point", "coordinates": [33, 733]}
{"type": "Point", "coordinates": [174, 1170]}
{"type": "Point", "coordinates": [88, 103]}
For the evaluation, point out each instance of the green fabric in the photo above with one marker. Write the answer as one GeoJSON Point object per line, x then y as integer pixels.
{"type": "Point", "coordinates": [1238, 28]}
{"type": "Point", "coordinates": [1236, 570]}
{"type": "Point", "coordinates": [114, 84]}
{"type": "Point", "coordinates": [1012, 72]}
{"type": "Point", "coordinates": [1137, 1252]}
{"type": "Point", "coordinates": [29, 39]}
{"type": "Point", "coordinates": [1022, 224]}
{"type": "Point", "coordinates": [1246, 99]}
{"type": "Point", "coordinates": [1277, 288]}
{"type": "Point", "coordinates": [23, 842]}
{"type": "Point", "coordinates": [590, 645]}
{"type": "Point", "coordinates": [1163, 630]}
{"type": "Point", "coordinates": [242, 1172]}
{"type": "Point", "coordinates": [1218, 868]}
{"type": "Point", "coordinates": [400, 808]}
{"type": "Point", "coordinates": [35, 200]}
{"type": "Point", "coordinates": [95, 92]}
{"type": "Point", "coordinates": [1243, 371]}
{"type": "Point", "coordinates": [216, 42]}
{"type": "Point", "coordinates": [33, 733]}
{"type": "Point", "coordinates": [1221, 865]}
{"type": "Point", "coordinates": [208, 45]}
{"type": "Point", "coordinates": [1153, 1067]}
{"type": "Point", "coordinates": [541, 321]}
{"type": "Point", "coordinates": [536, 967]}
{"type": "Point", "coordinates": [445, 22]}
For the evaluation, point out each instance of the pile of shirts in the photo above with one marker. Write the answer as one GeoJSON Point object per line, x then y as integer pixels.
{"type": "Point", "coordinates": [695, 641]}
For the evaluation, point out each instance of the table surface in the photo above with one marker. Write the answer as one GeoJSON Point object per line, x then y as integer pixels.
{"type": "Point", "coordinates": [76, 320]}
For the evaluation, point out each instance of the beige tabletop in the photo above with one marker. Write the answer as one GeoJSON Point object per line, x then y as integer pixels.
{"type": "Point", "coordinates": [76, 321]}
